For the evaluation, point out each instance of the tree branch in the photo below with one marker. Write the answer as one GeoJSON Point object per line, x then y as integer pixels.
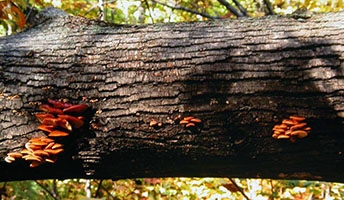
{"type": "Point", "coordinates": [241, 8]}
{"type": "Point", "coordinates": [47, 190]}
{"type": "Point", "coordinates": [177, 7]}
{"type": "Point", "coordinates": [269, 7]}
{"type": "Point", "coordinates": [231, 8]}
{"type": "Point", "coordinates": [149, 11]}
{"type": "Point", "coordinates": [239, 188]}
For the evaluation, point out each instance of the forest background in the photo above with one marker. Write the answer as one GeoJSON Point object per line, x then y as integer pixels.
{"type": "Point", "coordinates": [16, 15]}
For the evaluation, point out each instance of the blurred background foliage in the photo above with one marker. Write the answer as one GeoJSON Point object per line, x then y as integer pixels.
{"type": "Point", "coordinates": [15, 16]}
{"type": "Point", "coordinates": [172, 188]}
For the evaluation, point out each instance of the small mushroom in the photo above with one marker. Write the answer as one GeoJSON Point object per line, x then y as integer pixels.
{"type": "Point", "coordinates": [15, 155]}
{"type": "Point", "coordinates": [54, 151]}
{"type": "Point", "coordinates": [298, 126]}
{"type": "Point", "coordinates": [298, 119]}
{"type": "Point", "coordinates": [56, 146]}
{"type": "Point", "coordinates": [35, 163]}
{"type": "Point", "coordinates": [183, 122]}
{"type": "Point", "coordinates": [40, 153]}
{"type": "Point", "coordinates": [190, 124]}
{"type": "Point", "coordinates": [153, 123]}
{"type": "Point", "coordinates": [46, 128]}
{"type": "Point", "coordinates": [283, 137]}
{"type": "Point", "coordinates": [42, 116]}
{"type": "Point", "coordinates": [32, 158]}
{"type": "Point", "coordinates": [51, 159]}
{"type": "Point", "coordinates": [196, 120]}
{"type": "Point", "coordinates": [299, 133]}
{"type": "Point", "coordinates": [49, 109]}
{"type": "Point", "coordinates": [9, 159]}
{"type": "Point", "coordinates": [75, 109]}
{"type": "Point", "coordinates": [65, 124]}
{"type": "Point", "coordinates": [57, 133]}
{"type": "Point", "coordinates": [188, 118]}
{"type": "Point", "coordinates": [50, 145]}
{"type": "Point", "coordinates": [38, 143]}
{"type": "Point", "coordinates": [76, 123]}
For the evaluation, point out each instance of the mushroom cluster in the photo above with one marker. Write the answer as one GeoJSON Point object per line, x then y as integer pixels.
{"type": "Point", "coordinates": [291, 128]}
{"type": "Point", "coordinates": [190, 121]}
{"type": "Point", "coordinates": [59, 121]}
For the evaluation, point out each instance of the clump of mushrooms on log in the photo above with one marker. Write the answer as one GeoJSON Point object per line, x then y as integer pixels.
{"type": "Point", "coordinates": [59, 120]}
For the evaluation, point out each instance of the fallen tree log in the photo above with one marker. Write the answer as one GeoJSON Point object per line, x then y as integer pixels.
{"type": "Point", "coordinates": [240, 77]}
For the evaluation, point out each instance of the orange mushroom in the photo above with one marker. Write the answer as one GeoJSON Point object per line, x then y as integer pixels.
{"type": "Point", "coordinates": [56, 146]}
{"type": "Point", "coordinates": [49, 146]}
{"type": "Point", "coordinates": [9, 159]}
{"type": "Point", "coordinates": [51, 159]}
{"type": "Point", "coordinates": [190, 124]}
{"type": "Point", "coordinates": [42, 116]}
{"type": "Point", "coordinates": [15, 155]}
{"type": "Point", "coordinates": [76, 108]}
{"type": "Point", "coordinates": [298, 119]}
{"type": "Point", "coordinates": [196, 120]}
{"type": "Point", "coordinates": [153, 123]}
{"type": "Point", "coordinates": [65, 124]}
{"type": "Point", "coordinates": [46, 128]}
{"type": "Point", "coordinates": [54, 151]}
{"type": "Point", "coordinates": [40, 153]}
{"type": "Point", "coordinates": [183, 122]}
{"type": "Point", "coordinates": [188, 118]}
{"type": "Point", "coordinates": [76, 123]}
{"type": "Point", "coordinates": [57, 133]}
{"type": "Point", "coordinates": [49, 109]}
{"type": "Point", "coordinates": [35, 164]}
{"type": "Point", "coordinates": [32, 158]}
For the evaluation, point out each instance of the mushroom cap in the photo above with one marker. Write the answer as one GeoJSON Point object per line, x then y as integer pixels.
{"type": "Point", "coordinates": [40, 153]}
{"type": "Point", "coordinates": [296, 118]}
{"type": "Point", "coordinates": [51, 159]}
{"type": "Point", "coordinates": [196, 120]}
{"type": "Point", "coordinates": [298, 126]}
{"type": "Point", "coordinates": [57, 133]}
{"type": "Point", "coordinates": [35, 163]}
{"type": "Point", "coordinates": [76, 108]}
{"type": "Point", "coordinates": [153, 123]}
{"type": "Point", "coordinates": [76, 123]}
{"type": "Point", "coordinates": [49, 109]}
{"type": "Point", "coordinates": [47, 140]}
{"type": "Point", "coordinates": [33, 158]}
{"type": "Point", "coordinates": [190, 124]}
{"type": "Point", "coordinates": [15, 155]}
{"type": "Point", "coordinates": [47, 128]}
{"type": "Point", "coordinates": [38, 143]}
{"type": "Point", "coordinates": [188, 118]}
{"type": "Point", "coordinates": [56, 146]}
{"type": "Point", "coordinates": [183, 122]}
{"type": "Point", "coordinates": [65, 124]}
{"type": "Point", "coordinates": [289, 122]}
{"type": "Point", "coordinates": [54, 151]}
{"type": "Point", "coordinates": [42, 116]}
{"type": "Point", "coordinates": [283, 137]}
{"type": "Point", "coordinates": [49, 146]}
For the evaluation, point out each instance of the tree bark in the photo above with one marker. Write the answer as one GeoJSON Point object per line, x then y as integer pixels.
{"type": "Point", "coordinates": [240, 77]}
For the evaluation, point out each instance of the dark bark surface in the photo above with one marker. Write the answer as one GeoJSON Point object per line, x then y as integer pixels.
{"type": "Point", "coordinates": [240, 77]}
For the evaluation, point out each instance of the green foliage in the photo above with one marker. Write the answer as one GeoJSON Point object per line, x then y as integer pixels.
{"type": "Point", "coordinates": [172, 188]}
{"type": "Point", "coordinates": [12, 19]}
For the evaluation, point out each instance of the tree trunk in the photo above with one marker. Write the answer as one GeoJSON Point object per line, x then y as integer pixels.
{"type": "Point", "coordinates": [240, 77]}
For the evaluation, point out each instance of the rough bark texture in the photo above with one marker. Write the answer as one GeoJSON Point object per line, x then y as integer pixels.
{"type": "Point", "coordinates": [241, 77]}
